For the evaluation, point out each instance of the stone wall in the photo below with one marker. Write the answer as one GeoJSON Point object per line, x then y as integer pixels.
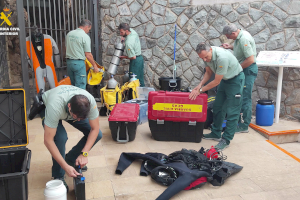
{"type": "Point", "coordinates": [275, 25]}
{"type": "Point", "coordinates": [4, 77]}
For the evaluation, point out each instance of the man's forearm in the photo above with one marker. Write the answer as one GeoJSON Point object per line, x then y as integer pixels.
{"type": "Point", "coordinates": [91, 140]}
{"type": "Point", "coordinates": [206, 77]}
{"type": "Point", "coordinates": [211, 85]}
{"type": "Point", "coordinates": [90, 58]}
{"type": "Point", "coordinates": [55, 153]}
{"type": "Point", "coordinates": [247, 62]}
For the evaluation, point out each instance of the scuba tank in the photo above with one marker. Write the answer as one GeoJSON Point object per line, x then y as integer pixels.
{"type": "Point", "coordinates": [126, 77]}
{"type": "Point", "coordinates": [133, 78]}
{"type": "Point", "coordinates": [112, 83]}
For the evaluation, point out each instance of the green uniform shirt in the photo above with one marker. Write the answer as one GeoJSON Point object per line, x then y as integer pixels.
{"type": "Point", "coordinates": [132, 44]}
{"type": "Point", "coordinates": [56, 101]}
{"type": "Point", "coordinates": [224, 63]}
{"type": "Point", "coordinates": [77, 43]}
{"type": "Point", "coordinates": [244, 46]}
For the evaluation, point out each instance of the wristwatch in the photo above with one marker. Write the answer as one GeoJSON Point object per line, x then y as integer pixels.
{"type": "Point", "coordinates": [85, 154]}
{"type": "Point", "coordinates": [200, 90]}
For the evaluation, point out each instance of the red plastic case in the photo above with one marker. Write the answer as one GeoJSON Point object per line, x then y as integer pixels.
{"type": "Point", "coordinates": [123, 121]}
{"type": "Point", "coordinates": [174, 117]}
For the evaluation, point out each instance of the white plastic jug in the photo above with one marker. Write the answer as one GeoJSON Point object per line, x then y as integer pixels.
{"type": "Point", "coordinates": [55, 190]}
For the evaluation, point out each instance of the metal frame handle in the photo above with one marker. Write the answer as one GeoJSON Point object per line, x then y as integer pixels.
{"type": "Point", "coordinates": [118, 135]}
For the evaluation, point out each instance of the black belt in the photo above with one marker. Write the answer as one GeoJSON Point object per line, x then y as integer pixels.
{"type": "Point", "coordinates": [138, 56]}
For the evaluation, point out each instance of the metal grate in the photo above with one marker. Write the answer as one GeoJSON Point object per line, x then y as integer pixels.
{"type": "Point", "coordinates": [55, 18]}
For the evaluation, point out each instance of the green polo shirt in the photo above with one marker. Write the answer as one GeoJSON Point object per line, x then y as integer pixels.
{"type": "Point", "coordinates": [244, 46]}
{"type": "Point", "coordinates": [132, 44]}
{"type": "Point", "coordinates": [224, 63]}
{"type": "Point", "coordinates": [56, 101]}
{"type": "Point", "coordinates": [77, 43]}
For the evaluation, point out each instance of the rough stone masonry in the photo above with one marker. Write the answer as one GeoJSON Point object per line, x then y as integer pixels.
{"type": "Point", "coordinates": [275, 25]}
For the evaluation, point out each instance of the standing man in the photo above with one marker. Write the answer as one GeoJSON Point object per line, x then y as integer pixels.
{"type": "Point", "coordinates": [230, 78]}
{"type": "Point", "coordinates": [244, 50]}
{"type": "Point", "coordinates": [78, 44]}
{"type": "Point", "coordinates": [78, 108]}
{"type": "Point", "coordinates": [133, 51]}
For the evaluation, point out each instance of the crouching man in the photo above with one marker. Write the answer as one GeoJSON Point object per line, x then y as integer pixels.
{"type": "Point", "coordinates": [78, 108]}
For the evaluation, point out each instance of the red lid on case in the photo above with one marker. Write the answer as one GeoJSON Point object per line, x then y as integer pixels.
{"type": "Point", "coordinates": [125, 112]}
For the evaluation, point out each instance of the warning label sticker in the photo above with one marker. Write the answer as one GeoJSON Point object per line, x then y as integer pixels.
{"type": "Point", "coordinates": [177, 107]}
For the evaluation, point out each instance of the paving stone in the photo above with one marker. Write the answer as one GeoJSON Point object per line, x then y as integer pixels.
{"type": "Point", "coordinates": [212, 33]}
{"type": "Point", "coordinates": [158, 9]}
{"type": "Point", "coordinates": [219, 23]}
{"type": "Point", "coordinates": [163, 41]}
{"type": "Point", "coordinates": [233, 16]}
{"type": "Point", "coordinates": [268, 7]}
{"type": "Point", "coordinates": [158, 20]}
{"type": "Point", "coordinates": [257, 27]}
{"type": "Point", "coordinates": [276, 41]}
{"type": "Point", "coordinates": [158, 32]}
{"type": "Point", "coordinates": [170, 17]}
{"type": "Point", "coordinates": [273, 23]}
{"type": "Point", "coordinates": [149, 28]}
{"type": "Point", "coordinates": [292, 22]}
{"type": "Point", "coordinates": [200, 17]}
{"type": "Point", "coordinates": [243, 9]}
{"type": "Point", "coordinates": [256, 14]}
{"type": "Point", "coordinates": [245, 21]}
{"type": "Point", "coordinates": [190, 27]}
{"type": "Point", "coordinates": [135, 7]}
{"type": "Point", "coordinates": [291, 45]}
{"type": "Point", "coordinates": [263, 36]}
{"type": "Point", "coordinates": [178, 10]}
{"type": "Point", "coordinates": [142, 17]}
{"type": "Point", "coordinates": [195, 39]}
{"type": "Point", "coordinates": [124, 10]}
{"type": "Point", "coordinates": [226, 9]}
{"type": "Point", "coordinates": [279, 14]}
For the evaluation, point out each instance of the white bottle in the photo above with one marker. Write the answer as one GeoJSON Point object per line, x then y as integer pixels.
{"type": "Point", "coordinates": [55, 190]}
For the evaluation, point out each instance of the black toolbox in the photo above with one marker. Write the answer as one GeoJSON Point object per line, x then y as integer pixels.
{"type": "Point", "coordinates": [14, 156]}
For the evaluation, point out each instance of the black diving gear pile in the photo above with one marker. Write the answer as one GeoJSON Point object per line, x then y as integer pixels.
{"type": "Point", "coordinates": [182, 170]}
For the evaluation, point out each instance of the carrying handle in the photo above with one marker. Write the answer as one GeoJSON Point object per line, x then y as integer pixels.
{"type": "Point", "coordinates": [118, 135]}
{"type": "Point", "coordinates": [173, 83]}
{"type": "Point", "coordinates": [28, 161]}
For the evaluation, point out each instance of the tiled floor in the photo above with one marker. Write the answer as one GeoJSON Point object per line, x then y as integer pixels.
{"type": "Point", "coordinates": [268, 173]}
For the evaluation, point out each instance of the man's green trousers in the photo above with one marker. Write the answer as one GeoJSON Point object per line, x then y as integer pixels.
{"type": "Point", "coordinates": [136, 67]}
{"type": "Point", "coordinates": [228, 101]}
{"type": "Point", "coordinates": [250, 76]}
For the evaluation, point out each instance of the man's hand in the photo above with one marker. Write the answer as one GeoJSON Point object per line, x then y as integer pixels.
{"type": "Point", "coordinates": [122, 57]}
{"type": "Point", "coordinates": [96, 69]}
{"type": "Point", "coordinates": [195, 92]}
{"type": "Point", "coordinates": [81, 160]}
{"type": "Point", "coordinates": [71, 172]}
{"type": "Point", "coordinates": [227, 46]}
{"type": "Point", "coordinates": [122, 39]}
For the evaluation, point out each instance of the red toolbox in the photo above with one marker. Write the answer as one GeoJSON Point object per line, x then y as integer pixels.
{"type": "Point", "coordinates": [123, 121]}
{"type": "Point", "coordinates": [173, 117]}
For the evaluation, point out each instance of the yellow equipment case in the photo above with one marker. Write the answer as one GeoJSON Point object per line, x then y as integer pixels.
{"type": "Point", "coordinates": [14, 156]}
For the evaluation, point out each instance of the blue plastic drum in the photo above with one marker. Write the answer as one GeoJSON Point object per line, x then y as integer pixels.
{"type": "Point", "coordinates": [264, 113]}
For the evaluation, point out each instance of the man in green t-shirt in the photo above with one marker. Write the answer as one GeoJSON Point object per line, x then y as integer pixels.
{"type": "Point", "coordinates": [78, 48]}
{"type": "Point", "coordinates": [244, 49]}
{"type": "Point", "coordinates": [78, 108]}
{"type": "Point", "coordinates": [133, 51]}
{"type": "Point", "coordinates": [230, 78]}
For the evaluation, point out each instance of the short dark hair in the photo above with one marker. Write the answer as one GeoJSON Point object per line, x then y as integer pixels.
{"type": "Point", "coordinates": [80, 106]}
{"type": "Point", "coordinates": [202, 47]}
{"type": "Point", "coordinates": [124, 26]}
{"type": "Point", "coordinates": [85, 22]}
